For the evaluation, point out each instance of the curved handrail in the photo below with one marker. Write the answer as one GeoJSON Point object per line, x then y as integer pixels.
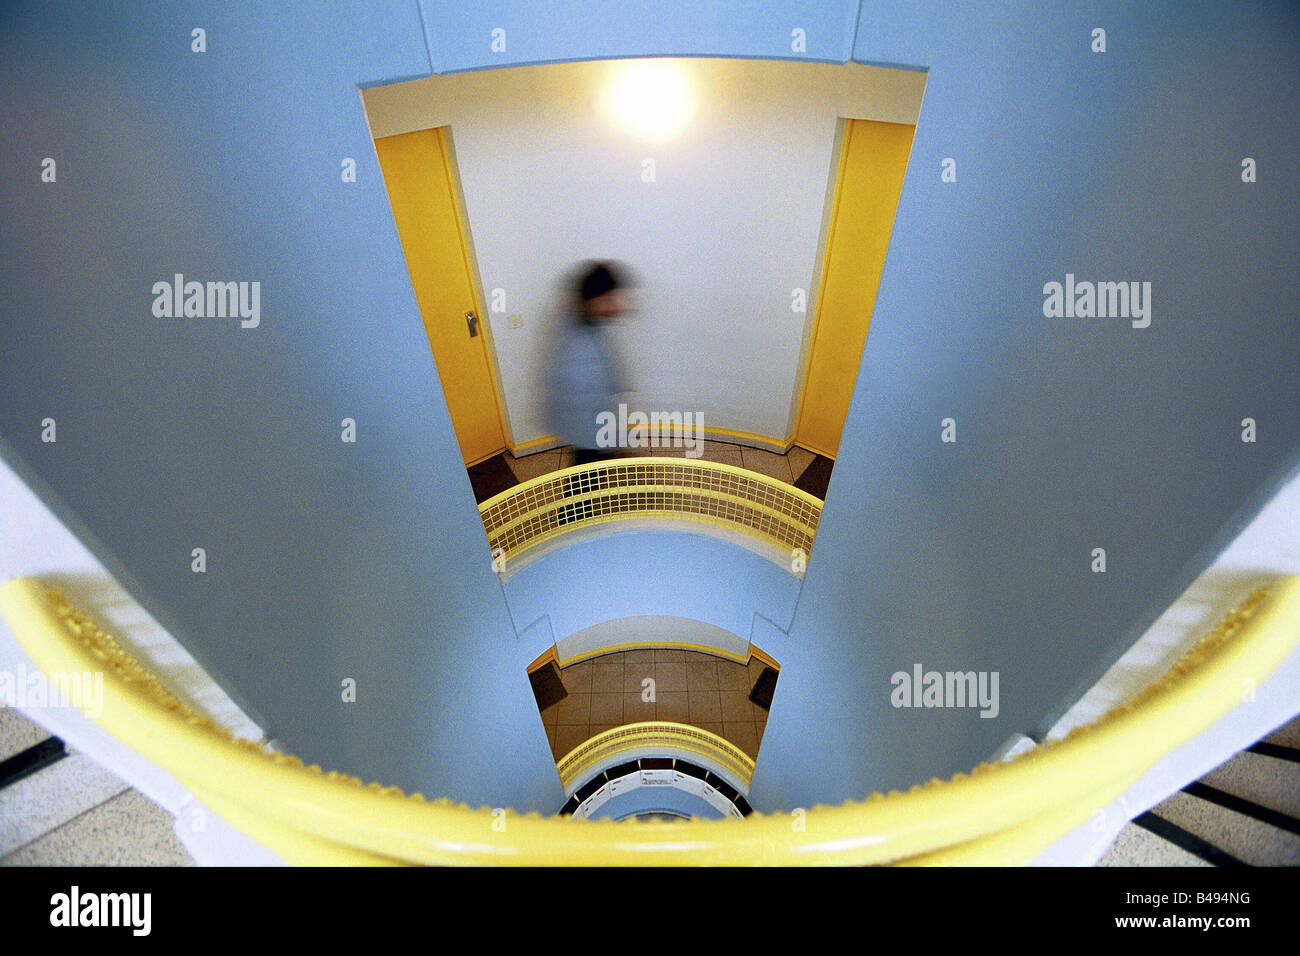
{"type": "Point", "coordinates": [998, 813]}
{"type": "Point", "coordinates": [707, 492]}
{"type": "Point", "coordinates": [582, 760]}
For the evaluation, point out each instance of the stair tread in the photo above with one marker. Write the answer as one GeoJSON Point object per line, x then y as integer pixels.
{"type": "Point", "coordinates": [35, 805]}
{"type": "Point", "coordinates": [128, 830]}
{"type": "Point", "coordinates": [1288, 735]}
{"type": "Point", "coordinates": [1136, 846]}
{"type": "Point", "coordinates": [1267, 781]}
{"type": "Point", "coordinates": [1249, 840]}
{"type": "Point", "coordinates": [17, 733]}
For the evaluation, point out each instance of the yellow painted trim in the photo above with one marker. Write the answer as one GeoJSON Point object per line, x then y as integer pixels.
{"type": "Point", "coordinates": [553, 439]}
{"type": "Point", "coordinates": [482, 458]}
{"type": "Point", "coordinates": [809, 446]}
{"type": "Point", "coordinates": [752, 437]}
{"type": "Point", "coordinates": [764, 657]}
{"type": "Point", "coordinates": [653, 645]}
{"type": "Point", "coordinates": [846, 133]}
{"type": "Point", "coordinates": [782, 443]}
{"type": "Point", "coordinates": [995, 813]}
{"type": "Point", "coordinates": [541, 660]}
{"type": "Point", "coordinates": [873, 166]}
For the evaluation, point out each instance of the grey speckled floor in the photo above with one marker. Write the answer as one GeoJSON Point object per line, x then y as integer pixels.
{"type": "Point", "coordinates": [1249, 840]}
{"type": "Point", "coordinates": [1287, 735]}
{"type": "Point", "coordinates": [128, 830]}
{"type": "Point", "coordinates": [47, 799]}
{"type": "Point", "coordinates": [17, 733]}
{"type": "Point", "coordinates": [1138, 847]}
{"type": "Point", "coordinates": [1269, 781]}
{"type": "Point", "coordinates": [75, 813]}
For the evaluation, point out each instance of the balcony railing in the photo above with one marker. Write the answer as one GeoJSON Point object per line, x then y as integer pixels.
{"type": "Point", "coordinates": [647, 736]}
{"type": "Point", "coordinates": [997, 814]}
{"type": "Point", "coordinates": [709, 494]}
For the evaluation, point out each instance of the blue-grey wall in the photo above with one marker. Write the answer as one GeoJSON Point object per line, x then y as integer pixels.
{"type": "Point", "coordinates": [328, 560]}
{"type": "Point", "coordinates": [626, 575]}
{"type": "Point", "coordinates": [1073, 434]}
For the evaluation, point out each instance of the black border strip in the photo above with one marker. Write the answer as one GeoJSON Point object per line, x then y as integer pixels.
{"type": "Point", "coordinates": [684, 767]}
{"type": "Point", "coordinates": [34, 758]}
{"type": "Point", "coordinates": [1267, 749]}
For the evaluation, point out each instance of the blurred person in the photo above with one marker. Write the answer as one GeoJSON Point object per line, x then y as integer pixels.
{"type": "Point", "coordinates": [586, 372]}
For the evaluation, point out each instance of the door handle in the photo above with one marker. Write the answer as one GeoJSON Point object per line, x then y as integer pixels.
{"type": "Point", "coordinates": [472, 321]}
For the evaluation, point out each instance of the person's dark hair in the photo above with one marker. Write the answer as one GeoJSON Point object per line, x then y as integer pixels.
{"type": "Point", "coordinates": [600, 278]}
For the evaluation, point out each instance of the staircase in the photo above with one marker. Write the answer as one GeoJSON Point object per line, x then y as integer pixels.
{"type": "Point", "coordinates": [60, 808]}
{"type": "Point", "coordinates": [1245, 812]}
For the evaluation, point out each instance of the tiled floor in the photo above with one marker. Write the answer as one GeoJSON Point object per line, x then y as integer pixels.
{"type": "Point", "coordinates": [690, 687]}
{"type": "Point", "coordinates": [788, 468]}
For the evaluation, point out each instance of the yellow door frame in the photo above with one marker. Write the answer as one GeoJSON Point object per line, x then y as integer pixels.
{"type": "Point", "coordinates": [873, 159]}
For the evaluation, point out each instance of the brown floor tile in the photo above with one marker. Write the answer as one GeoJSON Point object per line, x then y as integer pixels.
{"type": "Point", "coordinates": [639, 655]}
{"type": "Point", "coordinates": [531, 466]}
{"type": "Point", "coordinates": [705, 706]}
{"type": "Point", "coordinates": [568, 736]}
{"type": "Point", "coordinates": [734, 677]}
{"type": "Point", "coordinates": [635, 675]}
{"type": "Point", "coordinates": [576, 678]}
{"type": "Point", "coordinates": [567, 456]}
{"type": "Point", "coordinates": [743, 735]}
{"type": "Point", "coordinates": [574, 709]}
{"type": "Point", "coordinates": [607, 678]}
{"type": "Point", "coordinates": [636, 710]}
{"type": "Point", "coordinates": [667, 655]}
{"type": "Point", "coordinates": [674, 707]}
{"type": "Point", "coordinates": [550, 716]}
{"type": "Point", "coordinates": [607, 709]}
{"type": "Point", "coordinates": [670, 678]}
{"type": "Point", "coordinates": [736, 707]}
{"type": "Point", "coordinates": [595, 729]}
{"type": "Point", "coordinates": [550, 737]}
{"type": "Point", "coordinates": [713, 728]}
{"type": "Point", "coordinates": [767, 463]}
{"type": "Point", "coordinates": [724, 452]}
{"type": "Point", "coordinates": [799, 459]}
{"type": "Point", "coordinates": [701, 675]}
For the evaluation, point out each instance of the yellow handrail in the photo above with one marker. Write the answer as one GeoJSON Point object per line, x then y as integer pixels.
{"type": "Point", "coordinates": [706, 492]}
{"type": "Point", "coordinates": [999, 813]}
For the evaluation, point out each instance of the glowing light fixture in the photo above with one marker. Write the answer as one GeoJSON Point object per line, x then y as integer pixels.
{"type": "Point", "coordinates": [651, 98]}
